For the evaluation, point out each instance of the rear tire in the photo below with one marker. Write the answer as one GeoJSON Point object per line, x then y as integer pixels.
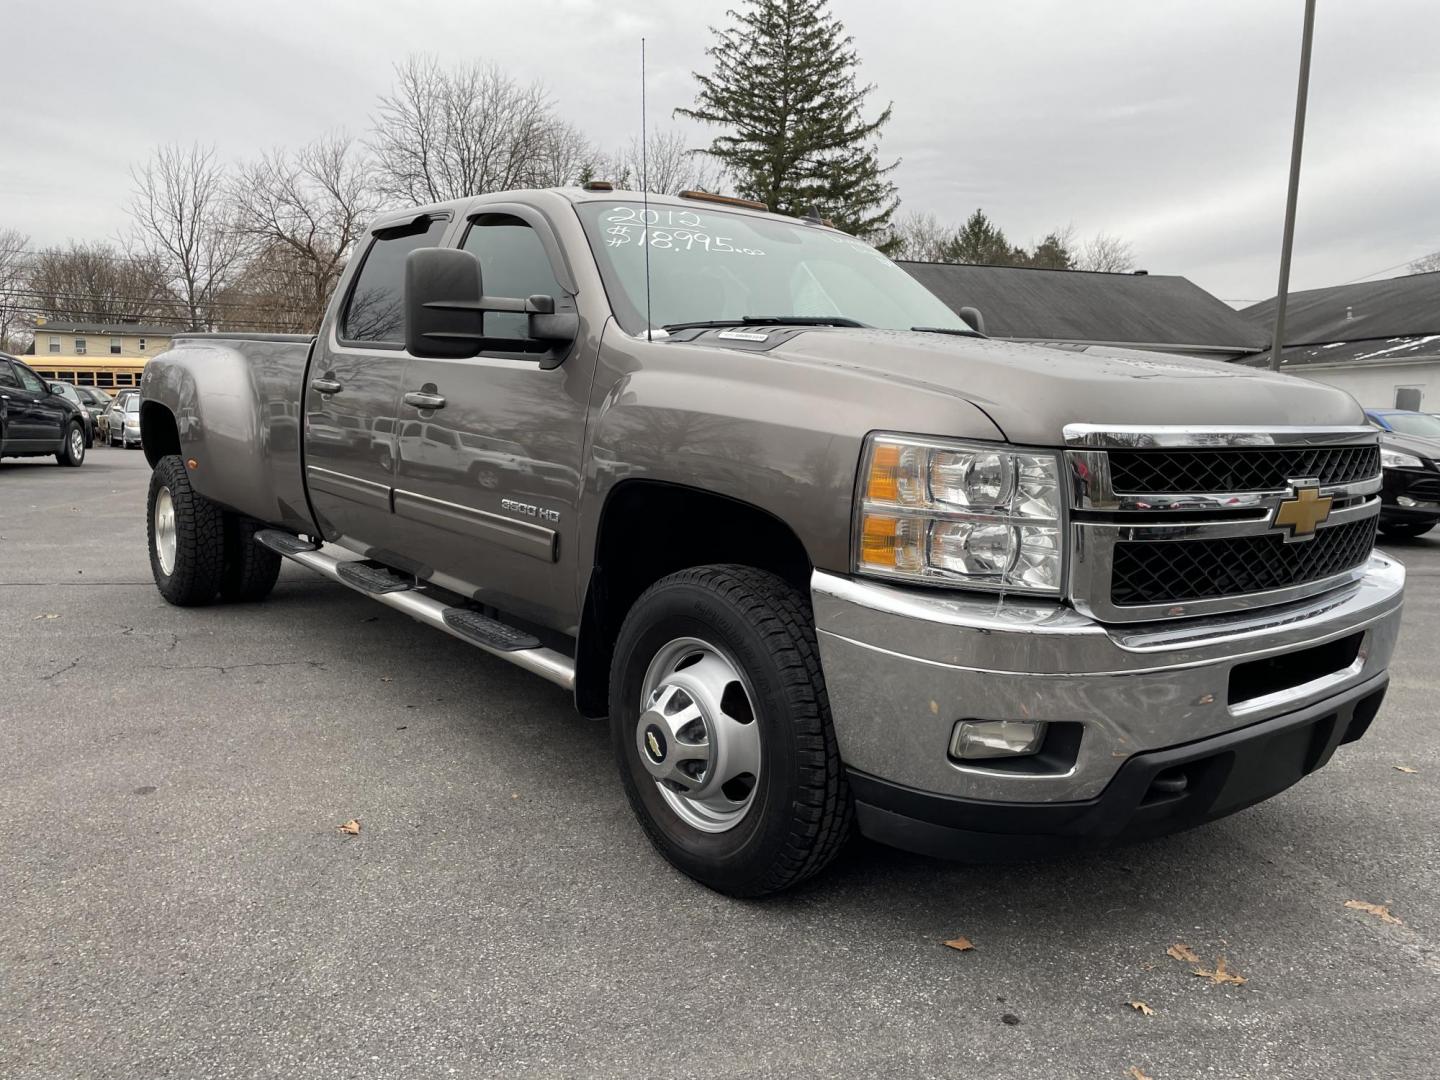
{"type": "Point", "coordinates": [757, 633]}
{"type": "Point", "coordinates": [72, 454]}
{"type": "Point", "coordinates": [250, 570]}
{"type": "Point", "coordinates": [1406, 530]}
{"type": "Point", "coordinates": [186, 532]}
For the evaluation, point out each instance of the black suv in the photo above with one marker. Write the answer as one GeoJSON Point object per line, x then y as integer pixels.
{"type": "Point", "coordinates": [36, 420]}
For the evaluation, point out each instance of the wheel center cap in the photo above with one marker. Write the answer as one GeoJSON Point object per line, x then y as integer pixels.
{"type": "Point", "coordinates": [655, 744]}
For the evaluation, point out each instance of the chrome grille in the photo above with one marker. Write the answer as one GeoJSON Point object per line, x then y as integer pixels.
{"type": "Point", "coordinates": [1179, 571]}
{"type": "Point", "coordinates": [1141, 472]}
{"type": "Point", "coordinates": [1171, 523]}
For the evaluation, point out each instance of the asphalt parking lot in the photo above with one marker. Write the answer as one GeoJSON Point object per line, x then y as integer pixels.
{"type": "Point", "coordinates": [176, 900]}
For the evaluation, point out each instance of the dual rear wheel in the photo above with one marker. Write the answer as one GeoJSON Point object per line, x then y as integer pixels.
{"type": "Point", "coordinates": [198, 551]}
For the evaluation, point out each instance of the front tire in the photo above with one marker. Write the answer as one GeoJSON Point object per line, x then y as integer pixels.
{"type": "Point", "coordinates": [1406, 530]}
{"type": "Point", "coordinates": [721, 727]}
{"type": "Point", "coordinates": [187, 537]}
{"type": "Point", "coordinates": [72, 454]}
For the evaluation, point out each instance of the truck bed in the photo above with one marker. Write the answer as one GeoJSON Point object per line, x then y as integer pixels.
{"type": "Point", "coordinates": [233, 395]}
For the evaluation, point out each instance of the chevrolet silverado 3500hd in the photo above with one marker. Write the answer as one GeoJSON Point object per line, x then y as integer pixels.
{"type": "Point", "coordinates": [824, 555]}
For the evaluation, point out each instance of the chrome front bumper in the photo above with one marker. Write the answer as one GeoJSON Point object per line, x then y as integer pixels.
{"type": "Point", "coordinates": [902, 666]}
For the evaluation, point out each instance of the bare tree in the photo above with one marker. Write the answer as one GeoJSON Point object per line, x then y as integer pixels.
{"type": "Point", "coordinates": [672, 166]}
{"type": "Point", "coordinates": [1426, 264]}
{"type": "Point", "coordinates": [98, 282]}
{"type": "Point", "coordinates": [1106, 253]}
{"type": "Point", "coordinates": [447, 133]}
{"type": "Point", "coordinates": [12, 285]}
{"type": "Point", "coordinates": [920, 236]}
{"type": "Point", "coordinates": [303, 212]}
{"type": "Point", "coordinates": [565, 156]}
{"type": "Point", "coordinates": [179, 213]}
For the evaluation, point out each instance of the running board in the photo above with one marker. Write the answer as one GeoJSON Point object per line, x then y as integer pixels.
{"type": "Point", "coordinates": [489, 635]}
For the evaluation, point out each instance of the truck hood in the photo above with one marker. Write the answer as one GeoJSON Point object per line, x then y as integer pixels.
{"type": "Point", "coordinates": [1032, 391]}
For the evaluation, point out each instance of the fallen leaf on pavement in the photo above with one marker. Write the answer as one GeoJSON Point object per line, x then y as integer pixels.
{"type": "Point", "coordinates": [960, 944]}
{"type": "Point", "coordinates": [1182, 952]}
{"type": "Point", "coordinates": [1136, 1074]}
{"type": "Point", "coordinates": [1141, 1008]}
{"type": "Point", "coordinates": [1380, 911]}
{"type": "Point", "coordinates": [1404, 769]}
{"type": "Point", "coordinates": [49, 615]}
{"type": "Point", "coordinates": [350, 828]}
{"type": "Point", "coordinates": [1219, 974]}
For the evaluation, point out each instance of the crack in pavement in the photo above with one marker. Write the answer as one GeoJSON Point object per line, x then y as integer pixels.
{"type": "Point", "coordinates": [225, 669]}
{"type": "Point", "coordinates": [68, 667]}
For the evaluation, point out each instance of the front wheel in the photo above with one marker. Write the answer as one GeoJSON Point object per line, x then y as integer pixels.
{"type": "Point", "coordinates": [1406, 530]}
{"type": "Point", "coordinates": [187, 537]}
{"type": "Point", "coordinates": [72, 454]}
{"type": "Point", "coordinates": [721, 727]}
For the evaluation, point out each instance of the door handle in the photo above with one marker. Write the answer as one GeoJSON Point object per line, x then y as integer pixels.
{"type": "Point", "coordinates": [325, 386]}
{"type": "Point", "coordinates": [422, 399]}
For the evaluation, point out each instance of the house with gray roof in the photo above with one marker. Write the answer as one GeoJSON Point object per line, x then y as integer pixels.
{"type": "Point", "coordinates": [1083, 309]}
{"type": "Point", "coordinates": [1379, 340]}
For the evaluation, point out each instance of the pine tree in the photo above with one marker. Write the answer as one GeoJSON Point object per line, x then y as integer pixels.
{"type": "Point", "coordinates": [784, 86]}
{"type": "Point", "coordinates": [980, 241]}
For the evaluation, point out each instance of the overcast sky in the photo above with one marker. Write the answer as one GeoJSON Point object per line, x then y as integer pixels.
{"type": "Point", "coordinates": [1165, 123]}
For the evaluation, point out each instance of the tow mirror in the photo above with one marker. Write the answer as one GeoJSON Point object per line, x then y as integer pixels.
{"type": "Point", "coordinates": [445, 308]}
{"type": "Point", "coordinates": [973, 319]}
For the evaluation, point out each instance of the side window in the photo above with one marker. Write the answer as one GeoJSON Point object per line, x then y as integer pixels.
{"type": "Point", "coordinates": [7, 376]}
{"type": "Point", "coordinates": [512, 263]}
{"type": "Point", "coordinates": [29, 380]}
{"type": "Point", "coordinates": [376, 309]}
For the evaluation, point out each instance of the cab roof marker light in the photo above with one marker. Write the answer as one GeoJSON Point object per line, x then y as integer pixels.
{"type": "Point", "coordinates": [724, 200]}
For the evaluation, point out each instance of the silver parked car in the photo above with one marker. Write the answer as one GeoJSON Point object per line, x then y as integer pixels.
{"type": "Point", "coordinates": [122, 420]}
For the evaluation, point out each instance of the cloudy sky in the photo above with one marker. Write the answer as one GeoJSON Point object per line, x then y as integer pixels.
{"type": "Point", "coordinates": [1165, 123]}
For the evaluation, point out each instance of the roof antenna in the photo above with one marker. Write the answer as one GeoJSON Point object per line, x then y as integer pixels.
{"type": "Point", "coordinates": [645, 194]}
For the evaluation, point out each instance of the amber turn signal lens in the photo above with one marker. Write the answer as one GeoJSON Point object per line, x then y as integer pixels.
{"type": "Point", "coordinates": [884, 482]}
{"type": "Point", "coordinates": [877, 540]}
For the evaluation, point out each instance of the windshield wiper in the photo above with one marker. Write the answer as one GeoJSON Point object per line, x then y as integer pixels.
{"type": "Point", "coordinates": [766, 320]}
{"type": "Point", "coordinates": [952, 331]}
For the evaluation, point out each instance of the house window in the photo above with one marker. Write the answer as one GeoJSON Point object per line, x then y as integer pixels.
{"type": "Point", "coordinates": [114, 346]}
{"type": "Point", "coordinates": [1408, 397]}
{"type": "Point", "coordinates": [55, 343]}
{"type": "Point", "coordinates": [79, 346]}
{"type": "Point", "coordinates": [142, 344]}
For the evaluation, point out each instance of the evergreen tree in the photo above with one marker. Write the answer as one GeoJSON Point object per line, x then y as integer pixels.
{"type": "Point", "coordinates": [980, 241]}
{"type": "Point", "coordinates": [784, 87]}
{"type": "Point", "coordinates": [1052, 253]}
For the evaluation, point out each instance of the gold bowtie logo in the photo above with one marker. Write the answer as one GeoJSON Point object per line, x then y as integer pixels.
{"type": "Point", "coordinates": [1301, 515]}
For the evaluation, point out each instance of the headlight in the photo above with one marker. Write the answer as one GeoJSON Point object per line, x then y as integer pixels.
{"type": "Point", "coordinates": [949, 513]}
{"type": "Point", "coordinates": [1396, 459]}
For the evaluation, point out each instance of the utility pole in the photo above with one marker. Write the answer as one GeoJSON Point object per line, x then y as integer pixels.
{"type": "Point", "coordinates": [1295, 146]}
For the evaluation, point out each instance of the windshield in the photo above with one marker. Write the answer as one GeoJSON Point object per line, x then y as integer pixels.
{"type": "Point", "coordinates": [66, 391]}
{"type": "Point", "coordinates": [712, 265]}
{"type": "Point", "coordinates": [132, 404]}
{"type": "Point", "coordinates": [1415, 423]}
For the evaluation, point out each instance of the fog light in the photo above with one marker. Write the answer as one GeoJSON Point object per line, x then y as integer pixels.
{"type": "Point", "coordinates": [1405, 500]}
{"type": "Point", "coordinates": [996, 738]}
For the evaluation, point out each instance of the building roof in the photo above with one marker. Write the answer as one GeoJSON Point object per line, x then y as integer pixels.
{"type": "Point", "coordinates": [1367, 311]}
{"type": "Point", "coordinates": [62, 326]}
{"type": "Point", "coordinates": [1403, 349]}
{"type": "Point", "coordinates": [1073, 305]}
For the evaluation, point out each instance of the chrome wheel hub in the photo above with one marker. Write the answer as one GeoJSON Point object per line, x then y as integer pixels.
{"type": "Point", "coordinates": [165, 530]}
{"type": "Point", "coordinates": [77, 444]}
{"type": "Point", "coordinates": [698, 735]}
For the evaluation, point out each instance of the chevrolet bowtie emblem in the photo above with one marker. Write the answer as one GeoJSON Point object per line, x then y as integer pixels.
{"type": "Point", "coordinates": [1300, 516]}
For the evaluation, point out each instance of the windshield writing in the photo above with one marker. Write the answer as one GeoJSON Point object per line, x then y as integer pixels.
{"type": "Point", "coordinates": [710, 265]}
